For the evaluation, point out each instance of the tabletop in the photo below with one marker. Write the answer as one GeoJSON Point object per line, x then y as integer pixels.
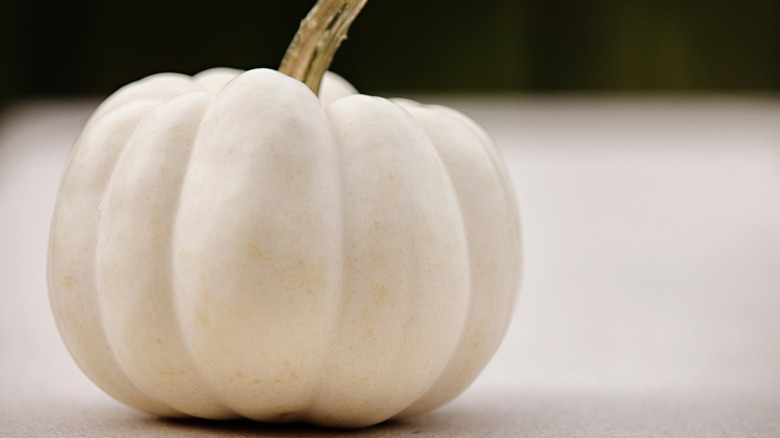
{"type": "Point", "coordinates": [650, 298]}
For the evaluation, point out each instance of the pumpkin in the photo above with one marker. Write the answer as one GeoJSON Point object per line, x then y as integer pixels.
{"type": "Point", "coordinates": [232, 245]}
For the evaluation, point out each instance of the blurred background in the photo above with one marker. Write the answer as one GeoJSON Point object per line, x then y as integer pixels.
{"type": "Point", "coordinates": [66, 48]}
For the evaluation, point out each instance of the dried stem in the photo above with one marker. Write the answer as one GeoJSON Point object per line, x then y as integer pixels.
{"type": "Point", "coordinates": [319, 36]}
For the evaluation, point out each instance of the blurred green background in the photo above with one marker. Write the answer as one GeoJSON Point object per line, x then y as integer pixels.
{"type": "Point", "coordinates": [91, 47]}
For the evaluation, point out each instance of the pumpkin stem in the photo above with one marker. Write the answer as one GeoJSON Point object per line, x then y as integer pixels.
{"type": "Point", "coordinates": [319, 36]}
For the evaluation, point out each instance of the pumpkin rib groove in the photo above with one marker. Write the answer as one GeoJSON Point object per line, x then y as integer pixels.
{"type": "Point", "coordinates": [216, 404]}
{"type": "Point", "coordinates": [510, 199]}
{"type": "Point", "coordinates": [178, 291]}
{"type": "Point", "coordinates": [141, 197]}
{"type": "Point", "coordinates": [214, 79]}
{"type": "Point", "coordinates": [310, 411]}
{"type": "Point", "coordinates": [390, 287]}
{"type": "Point", "coordinates": [107, 375]}
{"type": "Point", "coordinates": [406, 104]}
{"type": "Point", "coordinates": [450, 134]}
{"type": "Point", "coordinates": [496, 157]}
{"type": "Point", "coordinates": [449, 187]}
{"type": "Point", "coordinates": [158, 87]}
{"type": "Point", "coordinates": [434, 380]}
{"type": "Point", "coordinates": [102, 292]}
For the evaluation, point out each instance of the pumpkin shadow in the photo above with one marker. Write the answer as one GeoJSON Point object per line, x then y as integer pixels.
{"type": "Point", "coordinates": [194, 427]}
{"type": "Point", "coordinates": [448, 421]}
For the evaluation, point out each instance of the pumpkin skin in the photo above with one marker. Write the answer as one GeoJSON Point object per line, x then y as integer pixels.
{"type": "Point", "coordinates": [229, 245]}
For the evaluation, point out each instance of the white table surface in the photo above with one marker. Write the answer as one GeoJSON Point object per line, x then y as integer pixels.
{"type": "Point", "coordinates": [651, 296]}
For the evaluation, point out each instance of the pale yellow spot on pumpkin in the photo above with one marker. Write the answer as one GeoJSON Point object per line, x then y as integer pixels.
{"type": "Point", "coordinates": [202, 316]}
{"type": "Point", "coordinates": [380, 296]}
{"type": "Point", "coordinates": [254, 251]}
{"type": "Point", "coordinates": [68, 282]}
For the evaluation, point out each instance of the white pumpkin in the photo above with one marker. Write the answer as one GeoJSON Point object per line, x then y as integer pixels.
{"type": "Point", "coordinates": [230, 245]}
